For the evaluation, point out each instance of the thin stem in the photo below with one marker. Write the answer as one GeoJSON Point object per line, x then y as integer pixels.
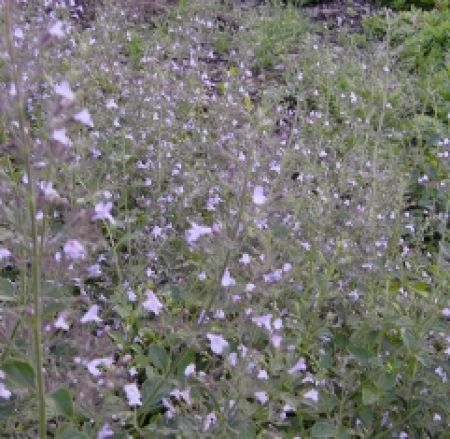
{"type": "Point", "coordinates": [36, 263]}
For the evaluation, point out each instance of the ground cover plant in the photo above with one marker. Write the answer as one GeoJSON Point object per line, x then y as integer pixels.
{"type": "Point", "coordinates": [222, 222]}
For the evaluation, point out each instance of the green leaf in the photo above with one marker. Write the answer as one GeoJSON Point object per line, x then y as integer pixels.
{"type": "Point", "coordinates": [369, 396]}
{"type": "Point", "coordinates": [158, 357]}
{"type": "Point", "coordinates": [20, 372]}
{"type": "Point", "coordinates": [52, 308]}
{"type": "Point", "coordinates": [323, 429]}
{"type": "Point", "coordinates": [63, 402]}
{"type": "Point", "coordinates": [361, 354]}
{"type": "Point", "coordinates": [6, 409]}
{"type": "Point", "coordinates": [6, 290]}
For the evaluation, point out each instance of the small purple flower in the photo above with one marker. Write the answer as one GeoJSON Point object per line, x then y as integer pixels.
{"type": "Point", "coordinates": [103, 211]}
{"type": "Point", "coordinates": [74, 250]}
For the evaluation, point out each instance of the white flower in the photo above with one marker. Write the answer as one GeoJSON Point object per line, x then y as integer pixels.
{"type": "Point", "coordinates": [105, 432]}
{"type": "Point", "coordinates": [63, 89]}
{"type": "Point", "coordinates": [445, 311]}
{"type": "Point", "coordinates": [61, 323]}
{"type": "Point", "coordinates": [182, 395]}
{"type": "Point", "coordinates": [91, 315]}
{"type": "Point", "coordinates": [263, 375]}
{"type": "Point", "coordinates": [258, 195]}
{"type": "Point", "coordinates": [263, 321]}
{"type": "Point", "coordinates": [278, 324]}
{"type": "Point", "coordinates": [152, 303]}
{"type": "Point", "coordinates": [93, 365]}
{"type": "Point", "coordinates": [103, 211]}
{"type": "Point", "coordinates": [227, 280]}
{"type": "Point", "coordinates": [190, 370]}
{"type": "Point", "coordinates": [50, 193]}
{"type": "Point", "coordinates": [245, 259]}
{"type": "Point", "coordinates": [133, 395]}
{"type": "Point", "coordinates": [84, 117]}
{"type": "Point", "coordinates": [201, 276]}
{"type": "Point", "coordinates": [131, 295]}
{"type": "Point", "coordinates": [4, 392]}
{"type": "Point", "coordinates": [275, 276]}
{"type": "Point", "coordinates": [60, 136]}
{"type": "Point", "coordinates": [111, 104]}
{"type": "Point", "coordinates": [171, 410]}
{"type": "Point", "coordinates": [232, 358]}
{"type": "Point", "coordinates": [250, 287]}
{"type": "Point", "coordinates": [218, 343]}
{"type": "Point", "coordinates": [210, 419]}
{"type": "Point", "coordinates": [276, 340]}
{"type": "Point", "coordinates": [312, 394]}
{"type": "Point", "coordinates": [197, 231]}
{"type": "Point", "coordinates": [4, 253]}
{"type": "Point", "coordinates": [56, 29]}
{"type": "Point", "coordinates": [298, 367]}
{"type": "Point", "coordinates": [94, 270]}
{"type": "Point", "coordinates": [73, 249]}
{"type": "Point", "coordinates": [261, 396]}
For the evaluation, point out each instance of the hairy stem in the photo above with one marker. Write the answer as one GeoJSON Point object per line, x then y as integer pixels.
{"type": "Point", "coordinates": [36, 262]}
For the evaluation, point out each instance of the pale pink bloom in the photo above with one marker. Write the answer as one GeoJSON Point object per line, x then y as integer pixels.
{"type": "Point", "coordinates": [258, 195]}
{"type": "Point", "coordinates": [298, 367]}
{"type": "Point", "coordinates": [133, 395]}
{"type": "Point", "coordinates": [152, 303]}
{"type": "Point", "coordinates": [227, 280]}
{"type": "Point", "coordinates": [84, 117]}
{"type": "Point", "coordinates": [103, 211]}
{"type": "Point", "coordinates": [312, 394]}
{"type": "Point", "coordinates": [218, 343]}
{"type": "Point", "coordinates": [196, 232]}
{"type": "Point", "coordinates": [261, 396]}
{"type": "Point", "coordinates": [60, 136]}
{"type": "Point", "coordinates": [63, 89]}
{"type": "Point", "coordinates": [91, 315]}
{"type": "Point", "coordinates": [61, 323]}
{"type": "Point", "coordinates": [73, 249]}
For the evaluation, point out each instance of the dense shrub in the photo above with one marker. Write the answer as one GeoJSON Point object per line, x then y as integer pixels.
{"type": "Point", "coordinates": [215, 214]}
